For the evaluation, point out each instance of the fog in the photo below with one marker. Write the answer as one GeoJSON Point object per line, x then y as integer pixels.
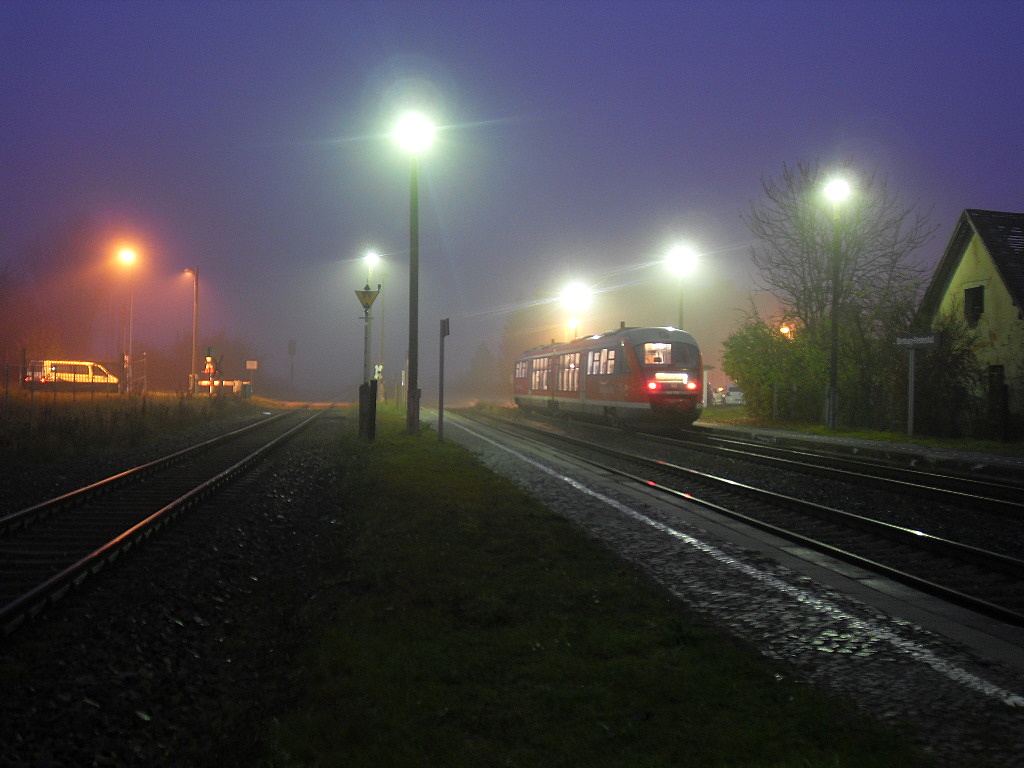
{"type": "Point", "coordinates": [576, 142]}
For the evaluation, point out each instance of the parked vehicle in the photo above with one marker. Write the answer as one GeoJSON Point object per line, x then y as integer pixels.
{"type": "Point", "coordinates": [629, 374]}
{"type": "Point", "coordinates": [70, 375]}
{"type": "Point", "coordinates": [733, 395]}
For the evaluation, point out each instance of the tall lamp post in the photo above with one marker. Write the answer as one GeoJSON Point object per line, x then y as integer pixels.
{"type": "Point", "coordinates": [837, 191]}
{"type": "Point", "coordinates": [128, 257]}
{"type": "Point", "coordinates": [192, 378]}
{"type": "Point", "coordinates": [414, 133]}
{"type": "Point", "coordinates": [682, 260]}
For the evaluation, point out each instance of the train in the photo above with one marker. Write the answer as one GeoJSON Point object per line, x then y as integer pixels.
{"type": "Point", "coordinates": [628, 375]}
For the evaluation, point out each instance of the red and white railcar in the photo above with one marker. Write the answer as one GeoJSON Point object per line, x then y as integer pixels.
{"type": "Point", "coordinates": [625, 375]}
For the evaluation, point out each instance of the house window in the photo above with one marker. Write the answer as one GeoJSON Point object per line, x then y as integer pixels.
{"type": "Point", "coordinates": [974, 304]}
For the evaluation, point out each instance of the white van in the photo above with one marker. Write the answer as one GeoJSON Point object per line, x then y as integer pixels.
{"type": "Point", "coordinates": [70, 375]}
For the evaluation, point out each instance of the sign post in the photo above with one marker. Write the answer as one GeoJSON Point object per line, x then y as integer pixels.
{"type": "Point", "coordinates": [253, 366]}
{"type": "Point", "coordinates": [912, 342]}
{"type": "Point", "coordinates": [366, 298]}
{"type": "Point", "coordinates": [440, 387]}
{"type": "Point", "coordinates": [368, 387]}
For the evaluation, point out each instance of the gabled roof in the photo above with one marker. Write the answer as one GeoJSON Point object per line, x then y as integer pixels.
{"type": "Point", "coordinates": [1003, 237]}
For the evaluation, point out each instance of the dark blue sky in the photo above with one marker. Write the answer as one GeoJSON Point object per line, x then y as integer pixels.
{"type": "Point", "coordinates": [582, 139]}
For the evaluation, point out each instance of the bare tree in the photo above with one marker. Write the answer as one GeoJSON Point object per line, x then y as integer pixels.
{"type": "Point", "coordinates": [802, 241]}
{"type": "Point", "coordinates": [845, 272]}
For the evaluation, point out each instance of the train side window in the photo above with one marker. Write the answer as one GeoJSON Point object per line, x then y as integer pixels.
{"type": "Point", "coordinates": [569, 372]}
{"type": "Point", "coordinates": [539, 378]}
{"type": "Point", "coordinates": [601, 362]}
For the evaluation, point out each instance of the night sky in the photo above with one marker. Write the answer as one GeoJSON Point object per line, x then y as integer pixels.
{"type": "Point", "coordinates": [579, 140]}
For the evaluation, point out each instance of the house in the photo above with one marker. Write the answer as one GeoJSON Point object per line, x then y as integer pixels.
{"type": "Point", "coordinates": [981, 277]}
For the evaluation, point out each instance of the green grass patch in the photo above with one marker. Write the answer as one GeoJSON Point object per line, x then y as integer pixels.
{"type": "Point", "coordinates": [43, 427]}
{"type": "Point", "coordinates": [475, 628]}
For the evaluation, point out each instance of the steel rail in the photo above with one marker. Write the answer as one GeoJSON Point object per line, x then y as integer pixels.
{"type": "Point", "coordinates": [25, 517]}
{"type": "Point", "coordinates": [34, 600]}
{"type": "Point", "coordinates": [969, 556]}
{"type": "Point", "coordinates": [1000, 497]}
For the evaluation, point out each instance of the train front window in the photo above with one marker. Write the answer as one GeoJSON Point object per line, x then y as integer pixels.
{"type": "Point", "coordinates": [674, 356]}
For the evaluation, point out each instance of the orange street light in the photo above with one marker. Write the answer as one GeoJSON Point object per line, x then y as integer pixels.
{"type": "Point", "coordinates": [192, 378]}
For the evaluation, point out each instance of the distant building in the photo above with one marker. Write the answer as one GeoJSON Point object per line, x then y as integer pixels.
{"type": "Point", "coordinates": [981, 277]}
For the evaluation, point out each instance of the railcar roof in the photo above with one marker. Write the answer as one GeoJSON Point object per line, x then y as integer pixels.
{"type": "Point", "coordinates": [629, 332]}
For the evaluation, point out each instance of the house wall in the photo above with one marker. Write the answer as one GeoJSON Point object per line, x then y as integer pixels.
{"type": "Point", "coordinates": [1000, 328]}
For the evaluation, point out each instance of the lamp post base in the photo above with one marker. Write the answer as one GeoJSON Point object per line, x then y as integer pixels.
{"type": "Point", "coordinates": [412, 417]}
{"type": "Point", "coordinates": [368, 410]}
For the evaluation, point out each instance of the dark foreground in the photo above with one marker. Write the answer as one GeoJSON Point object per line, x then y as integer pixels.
{"type": "Point", "coordinates": [398, 605]}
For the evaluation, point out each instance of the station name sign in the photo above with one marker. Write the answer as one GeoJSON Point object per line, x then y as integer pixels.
{"type": "Point", "coordinates": [918, 340]}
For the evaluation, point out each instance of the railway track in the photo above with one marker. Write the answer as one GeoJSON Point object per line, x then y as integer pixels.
{"type": "Point", "coordinates": [987, 582]}
{"type": "Point", "coordinates": [992, 488]}
{"type": "Point", "coordinates": [50, 548]}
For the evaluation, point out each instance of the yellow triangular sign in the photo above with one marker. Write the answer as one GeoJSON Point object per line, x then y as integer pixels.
{"type": "Point", "coordinates": [367, 297]}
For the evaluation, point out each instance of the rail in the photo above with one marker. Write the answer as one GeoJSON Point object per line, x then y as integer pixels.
{"type": "Point", "coordinates": [52, 547]}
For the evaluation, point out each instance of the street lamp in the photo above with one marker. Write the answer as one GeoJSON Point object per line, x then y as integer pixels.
{"type": "Point", "coordinates": [414, 133]}
{"type": "Point", "coordinates": [837, 190]}
{"type": "Point", "coordinates": [575, 297]}
{"type": "Point", "coordinates": [371, 259]}
{"type": "Point", "coordinates": [682, 260]}
{"type": "Point", "coordinates": [192, 378]}
{"type": "Point", "coordinates": [128, 257]}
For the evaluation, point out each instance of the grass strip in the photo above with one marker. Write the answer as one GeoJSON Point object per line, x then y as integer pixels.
{"type": "Point", "coordinates": [476, 628]}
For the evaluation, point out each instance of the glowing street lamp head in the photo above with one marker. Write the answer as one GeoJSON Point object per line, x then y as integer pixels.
{"type": "Point", "coordinates": [127, 256]}
{"type": "Point", "coordinates": [837, 190]}
{"type": "Point", "coordinates": [372, 259]}
{"type": "Point", "coordinates": [682, 260]}
{"type": "Point", "coordinates": [576, 297]}
{"type": "Point", "coordinates": [414, 132]}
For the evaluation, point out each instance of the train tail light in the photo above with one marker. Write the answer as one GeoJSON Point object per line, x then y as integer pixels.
{"type": "Point", "coordinates": [691, 385]}
{"type": "Point", "coordinates": [653, 386]}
